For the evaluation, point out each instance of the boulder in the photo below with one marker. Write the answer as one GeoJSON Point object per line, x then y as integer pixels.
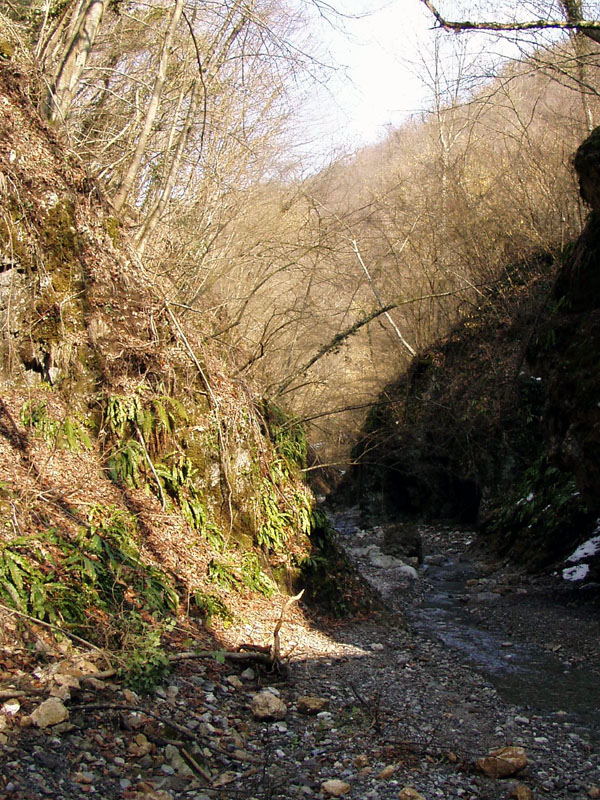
{"type": "Point", "coordinates": [50, 712]}
{"type": "Point", "coordinates": [335, 788]}
{"type": "Point", "coordinates": [521, 792]}
{"type": "Point", "coordinates": [503, 763]}
{"type": "Point", "coordinates": [408, 793]}
{"type": "Point", "coordinates": [403, 540]}
{"type": "Point", "coordinates": [312, 705]}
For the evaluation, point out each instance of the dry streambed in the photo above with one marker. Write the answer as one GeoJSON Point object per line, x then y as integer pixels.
{"type": "Point", "coordinates": [372, 708]}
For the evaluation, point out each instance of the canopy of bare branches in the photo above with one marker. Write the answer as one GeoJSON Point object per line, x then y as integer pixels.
{"type": "Point", "coordinates": [320, 286]}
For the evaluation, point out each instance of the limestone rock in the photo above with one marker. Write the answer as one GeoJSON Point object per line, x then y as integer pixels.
{"type": "Point", "coordinates": [225, 778]}
{"type": "Point", "coordinates": [361, 761]}
{"type": "Point", "coordinates": [177, 761]}
{"type": "Point", "coordinates": [594, 792]}
{"type": "Point", "coordinates": [384, 561]}
{"type": "Point", "coordinates": [234, 681]}
{"type": "Point", "coordinates": [335, 788]}
{"type": "Point", "coordinates": [312, 705]}
{"type": "Point", "coordinates": [408, 793]}
{"type": "Point", "coordinates": [408, 572]}
{"type": "Point", "coordinates": [140, 746]}
{"type": "Point", "coordinates": [50, 712]}
{"type": "Point", "coordinates": [266, 706]}
{"type": "Point", "coordinates": [62, 692]}
{"type": "Point", "coordinates": [10, 708]}
{"type": "Point", "coordinates": [503, 762]}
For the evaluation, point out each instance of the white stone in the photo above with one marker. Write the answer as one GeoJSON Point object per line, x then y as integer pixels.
{"type": "Point", "coordinates": [266, 706]}
{"type": "Point", "coordinates": [50, 712]}
{"type": "Point", "coordinates": [408, 572]}
{"type": "Point", "coordinates": [335, 788]}
{"type": "Point", "coordinates": [10, 708]}
{"type": "Point", "coordinates": [385, 562]}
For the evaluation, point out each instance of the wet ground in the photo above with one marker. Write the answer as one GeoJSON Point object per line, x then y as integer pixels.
{"type": "Point", "coordinates": [533, 671]}
{"type": "Point", "coordinates": [535, 638]}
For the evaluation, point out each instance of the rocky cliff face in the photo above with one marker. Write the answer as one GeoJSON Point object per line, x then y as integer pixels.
{"type": "Point", "coordinates": [138, 480]}
{"type": "Point", "coordinates": [499, 424]}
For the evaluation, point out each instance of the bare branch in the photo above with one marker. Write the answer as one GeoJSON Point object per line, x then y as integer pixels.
{"type": "Point", "coordinates": [590, 28]}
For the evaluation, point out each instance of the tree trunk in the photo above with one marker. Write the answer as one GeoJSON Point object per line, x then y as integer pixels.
{"type": "Point", "coordinates": [574, 14]}
{"type": "Point", "coordinates": [134, 166]}
{"type": "Point", "coordinates": [165, 191]}
{"type": "Point", "coordinates": [61, 94]}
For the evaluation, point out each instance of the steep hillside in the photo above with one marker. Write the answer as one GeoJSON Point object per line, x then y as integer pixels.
{"type": "Point", "coordinates": [139, 484]}
{"type": "Point", "coordinates": [499, 422]}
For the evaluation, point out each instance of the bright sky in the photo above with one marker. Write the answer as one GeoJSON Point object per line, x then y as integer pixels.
{"type": "Point", "coordinates": [383, 44]}
{"type": "Point", "coordinates": [379, 50]}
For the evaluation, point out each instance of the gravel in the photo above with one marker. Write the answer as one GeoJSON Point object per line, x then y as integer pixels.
{"type": "Point", "coordinates": [404, 710]}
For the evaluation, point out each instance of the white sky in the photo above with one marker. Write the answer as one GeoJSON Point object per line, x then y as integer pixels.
{"type": "Point", "coordinates": [377, 50]}
{"type": "Point", "coordinates": [382, 44]}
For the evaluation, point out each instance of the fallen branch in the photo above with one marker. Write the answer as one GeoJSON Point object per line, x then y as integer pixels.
{"type": "Point", "coordinates": [12, 694]}
{"type": "Point", "coordinates": [275, 651]}
{"type": "Point", "coordinates": [169, 723]}
{"type": "Point", "coordinates": [229, 655]}
{"type": "Point", "coordinates": [246, 652]}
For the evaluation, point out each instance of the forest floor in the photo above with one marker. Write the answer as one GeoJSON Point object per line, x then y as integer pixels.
{"type": "Point", "coordinates": [468, 658]}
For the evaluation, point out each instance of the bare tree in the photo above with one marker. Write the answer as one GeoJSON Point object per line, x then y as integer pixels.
{"type": "Point", "coordinates": [152, 109]}
{"type": "Point", "coordinates": [582, 33]}
{"type": "Point", "coordinates": [86, 20]}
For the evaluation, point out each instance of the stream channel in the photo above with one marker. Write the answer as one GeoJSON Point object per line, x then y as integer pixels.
{"type": "Point", "coordinates": [523, 640]}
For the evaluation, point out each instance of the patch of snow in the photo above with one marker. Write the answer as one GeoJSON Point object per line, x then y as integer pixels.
{"type": "Point", "coordinates": [576, 573]}
{"type": "Point", "coordinates": [585, 550]}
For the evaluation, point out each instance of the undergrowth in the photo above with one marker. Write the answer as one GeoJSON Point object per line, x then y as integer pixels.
{"type": "Point", "coordinates": [542, 519]}
{"type": "Point", "coordinates": [69, 433]}
{"type": "Point", "coordinates": [76, 582]}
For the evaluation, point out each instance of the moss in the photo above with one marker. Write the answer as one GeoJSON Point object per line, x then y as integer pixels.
{"type": "Point", "coordinates": [541, 521]}
{"type": "Point", "coordinates": [327, 576]}
{"type": "Point", "coordinates": [7, 50]}
{"type": "Point", "coordinates": [287, 434]}
{"type": "Point", "coordinates": [112, 227]}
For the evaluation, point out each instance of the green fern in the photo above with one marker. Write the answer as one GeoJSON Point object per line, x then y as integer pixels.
{"type": "Point", "coordinates": [223, 575]}
{"type": "Point", "coordinates": [70, 434]}
{"type": "Point", "coordinates": [254, 578]}
{"type": "Point", "coordinates": [276, 525]}
{"type": "Point", "coordinates": [212, 606]}
{"type": "Point", "coordinates": [53, 577]}
{"type": "Point", "coordinates": [125, 463]}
